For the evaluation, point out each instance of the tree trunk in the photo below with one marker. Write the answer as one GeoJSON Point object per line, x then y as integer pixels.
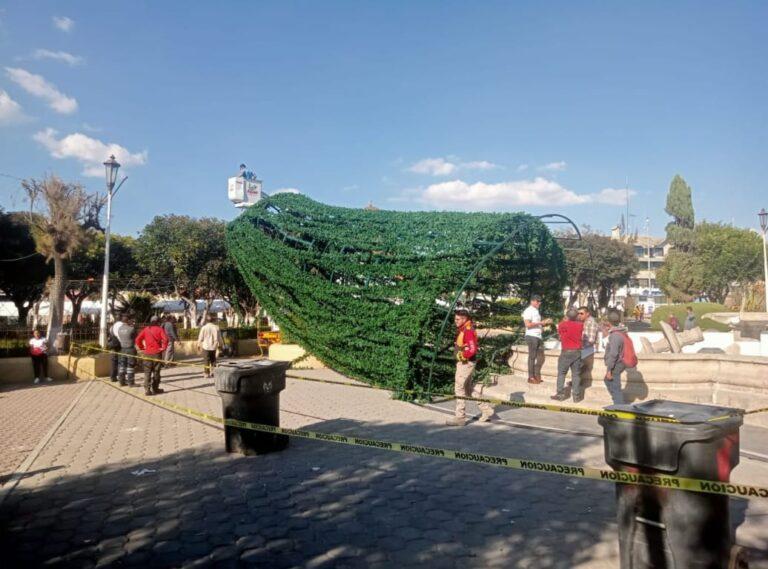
{"type": "Point", "coordinates": [56, 301]}
{"type": "Point", "coordinates": [23, 311]}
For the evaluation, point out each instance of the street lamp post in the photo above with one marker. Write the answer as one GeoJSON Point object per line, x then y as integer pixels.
{"type": "Point", "coordinates": [111, 167]}
{"type": "Point", "coordinates": [763, 215]}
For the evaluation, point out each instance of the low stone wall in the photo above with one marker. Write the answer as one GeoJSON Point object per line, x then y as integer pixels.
{"type": "Point", "coordinates": [729, 380]}
{"type": "Point", "coordinates": [290, 352]}
{"type": "Point", "coordinates": [19, 370]}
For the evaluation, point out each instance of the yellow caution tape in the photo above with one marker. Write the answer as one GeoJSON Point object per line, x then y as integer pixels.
{"type": "Point", "coordinates": [626, 415]}
{"type": "Point", "coordinates": [573, 471]}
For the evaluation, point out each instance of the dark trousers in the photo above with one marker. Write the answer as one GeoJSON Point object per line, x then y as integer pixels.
{"type": "Point", "coordinates": [126, 365]}
{"type": "Point", "coordinates": [152, 372]}
{"type": "Point", "coordinates": [40, 365]}
{"type": "Point", "coordinates": [614, 385]}
{"type": "Point", "coordinates": [534, 345]}
{"type": "Point", "coordinates": [210, 361]}
{"type": "Point", "coordinates": [569, 359]}
{"type": "Point", "coordinates": [114, 363]}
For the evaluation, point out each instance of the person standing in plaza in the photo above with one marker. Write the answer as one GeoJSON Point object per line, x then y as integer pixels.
{"type": "Point", "coordinates": [209, 340]}
{"type": "Point", "coordinates": [170, 330]}
{"type": "Point", "coordinates": [614, 356]}
{"type": "Point", "coordinates": [674, 322]}
{"type": "Point", "coordinates": [38, 351]}
{"type": "Point", "coordinates": [571, 330]}
{"type": "Point", "coordinates": [690, 319]}
{"type": "Point", "coordinates": [466, 348]}
{"type": "Point", "coordinates": [533, 336]}
{"type": "Point", "coordinates": [152, 341]}
{"type": "Point", "coordinates": [113, 345]}
{"type": "Point", "coordinates": [589, 339]}
{"type": "Point", "coordinates": [126, 364]}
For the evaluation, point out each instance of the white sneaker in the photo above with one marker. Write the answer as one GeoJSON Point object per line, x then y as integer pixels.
{"type": "Point", "coordinates": [37, 380]}
{"type": "Point", "coordinates": [49, 379]}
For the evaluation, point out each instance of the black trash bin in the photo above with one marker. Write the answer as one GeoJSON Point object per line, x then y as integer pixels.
{"type": "Point", "coordinates": [666, 528]}
{"type": "Point", "coordinates": [250, 391]}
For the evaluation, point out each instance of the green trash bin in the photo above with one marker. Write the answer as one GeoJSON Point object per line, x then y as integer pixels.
{"type": "Point", "coordinates": [663, 527]}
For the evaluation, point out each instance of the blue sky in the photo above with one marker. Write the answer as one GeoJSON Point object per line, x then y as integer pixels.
{"type": "Point", "coordinates": [502, 106]}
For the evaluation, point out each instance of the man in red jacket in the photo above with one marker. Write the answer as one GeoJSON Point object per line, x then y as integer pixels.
{"type": "Point", "coordinates": [571, 331]}
{"type": "Point", "coordinates": [152, 342]}
{"type": "Point", "coordinates": [466, 359]}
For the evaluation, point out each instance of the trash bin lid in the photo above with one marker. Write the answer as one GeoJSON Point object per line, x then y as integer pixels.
{"type": "Point", "coordinates": [683, 412]}
{"type": "Point", "coordinates": [230, 375]}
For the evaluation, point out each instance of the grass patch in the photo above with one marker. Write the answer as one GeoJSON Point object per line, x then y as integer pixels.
{"type": "Point", "coordinates": [699, 309]}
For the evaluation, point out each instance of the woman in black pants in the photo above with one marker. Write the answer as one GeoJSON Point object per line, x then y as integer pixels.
{"type": "Point", "coordinates": [38, 351]}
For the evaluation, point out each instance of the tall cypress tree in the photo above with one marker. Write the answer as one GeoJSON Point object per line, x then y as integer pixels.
{"type": "Point", "coordinates": [680, 207]}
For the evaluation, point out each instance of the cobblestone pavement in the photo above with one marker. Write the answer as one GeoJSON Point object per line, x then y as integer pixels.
{"type": "Point", "coordinates": [27, 413]}
{"type": "Point", "coordinates": [126, 483]}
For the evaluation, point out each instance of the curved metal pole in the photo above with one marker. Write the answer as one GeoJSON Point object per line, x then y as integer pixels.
{"type": "Point", "coordinates": [472, 274]}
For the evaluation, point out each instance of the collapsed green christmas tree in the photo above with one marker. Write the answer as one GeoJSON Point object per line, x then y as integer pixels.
{"type": "Point", "coordinates": [368, 292]}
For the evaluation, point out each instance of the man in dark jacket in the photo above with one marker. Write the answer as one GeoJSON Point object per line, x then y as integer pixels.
{"type": "Point", "coordinates": [152, 341]}
{"type": "Point", "coordinates": [614, 356]}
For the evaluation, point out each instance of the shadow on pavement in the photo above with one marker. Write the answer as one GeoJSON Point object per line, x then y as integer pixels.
{"type": "Point", "coordinates": [321, 505]}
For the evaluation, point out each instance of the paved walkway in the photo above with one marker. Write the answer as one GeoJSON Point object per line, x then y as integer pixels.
{"type": "Point", "coordinates": [27, 413]}
{"type": "Point", "coordinates": [123, 482]}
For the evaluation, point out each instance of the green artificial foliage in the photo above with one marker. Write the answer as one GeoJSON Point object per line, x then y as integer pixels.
{"type": "Point", "coordinates": [680, 207]}
{"type": "Point", "coordinates": [368, 291]}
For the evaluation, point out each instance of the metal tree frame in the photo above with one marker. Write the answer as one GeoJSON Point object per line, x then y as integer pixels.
{"type": "Point", "coordinates": [549, 219]}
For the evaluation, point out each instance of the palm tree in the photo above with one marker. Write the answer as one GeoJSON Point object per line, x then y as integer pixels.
{"type": "Point", "coordinates": [58, 211]}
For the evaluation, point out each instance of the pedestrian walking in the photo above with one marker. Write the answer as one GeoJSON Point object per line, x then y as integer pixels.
{"type": "Point", "coordinates": [571, 331]}
{"type": "Point", "coordinates": [690, 319]}
{"type": "Point", "coordinates": [209, 340]}
{"type": "Point", "coordinates": [126, 363]}
{"type": "Point", "coordinates": [170, 330]}
{"type": "Point", "coordinates": [38, 351]}
{"type": "Point", "coordinates": [152, 341]}
{"type": "Point", "coordinates": [466, 348]}
{"type": "Point", "coordinates": [533, 337]}
{"type": "Point", "coordinates": [619, 355]}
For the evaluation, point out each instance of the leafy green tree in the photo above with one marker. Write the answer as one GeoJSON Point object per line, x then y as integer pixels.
{"type": "Point", "coordinates": [187, 252]}
{"type": "Point", "coordinates": [609, 266]}
{"type": "Point", "coordinates": [721, 256]}
{"type": "Point", "coordinates": [681, 277]}
{"type": "Point", "coordinates": [23, 271]}
{"type": "Point", "coordinates": [680, 207]}
{"type": "Point", "coordinates": [728, 256]}
{"type": "Point", "coordinates": [87, 266]}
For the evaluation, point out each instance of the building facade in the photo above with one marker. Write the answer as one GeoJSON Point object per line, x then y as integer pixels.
{"type": "Point", "coordinates": [650, 254]}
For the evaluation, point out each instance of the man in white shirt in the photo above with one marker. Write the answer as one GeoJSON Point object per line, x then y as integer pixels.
{"type": "Point", "coordinates": [209, 340]}
{"type": "Point", "coordinates": [533, 327]}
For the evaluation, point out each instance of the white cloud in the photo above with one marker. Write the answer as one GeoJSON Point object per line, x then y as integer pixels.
{"type": "Point", "coordinates": [443, 167]}
{"type": "Point", "coordinates": [62, 56]}
{"type": "Point", "coordinates": [554, 167]}
{"type": "Point", "coordinates": [458, 194]}
{"type": "Point", "coordinates": [286, 191]}
{"type": "Point", "coordinates": [433, 167]}
{"type": "Point", "coordinates": [37, 85]}
{"type": "Point", "coordinates": [612, 196]}
{"type": "Point", "coordinates": [90, 152]}
{"type": "Point", "coordinates": [63, 23]}
{"type": "Point", "coordinates": [10, 110]}
{"type": "Point", "coordinates": [522, 167]}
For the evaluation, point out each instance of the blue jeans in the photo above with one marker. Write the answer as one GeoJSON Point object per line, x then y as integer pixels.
{"type": "Point", "coordinates": [614, 386]}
